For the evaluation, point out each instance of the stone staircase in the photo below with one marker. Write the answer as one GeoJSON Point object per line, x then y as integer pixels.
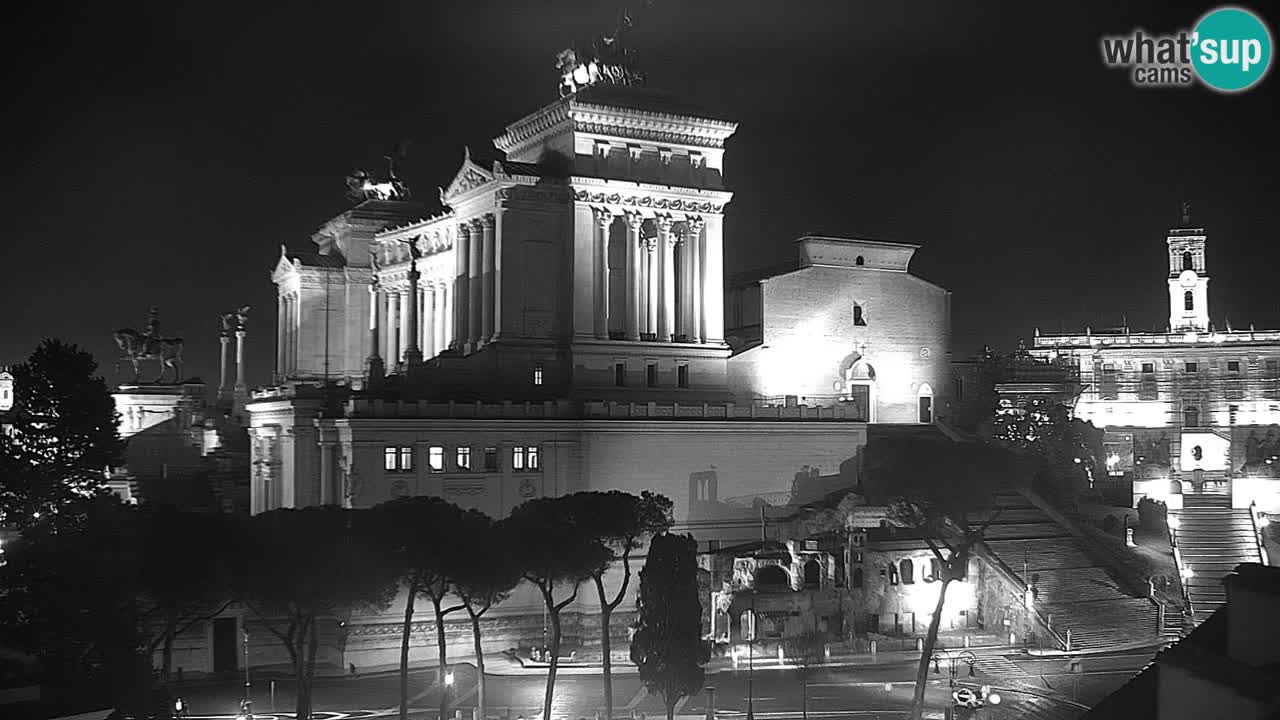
{"type": "Point", "coordinates": [1213, 538]}
{"type": "Point", "coordinates": [1073, 590]}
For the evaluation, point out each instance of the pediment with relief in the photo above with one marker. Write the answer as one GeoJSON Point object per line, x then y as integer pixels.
{"type": "Point", "coordinates": [469, 177]}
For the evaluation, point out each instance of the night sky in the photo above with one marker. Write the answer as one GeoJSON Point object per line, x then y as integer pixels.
{"type": "Point", "coordinates": [159, 154]}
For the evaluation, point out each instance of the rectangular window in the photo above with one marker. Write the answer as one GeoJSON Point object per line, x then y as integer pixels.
{"type": "Point", "coordinates": [620, 374]}
{"type": "Point", "coordinates": [397, 459]}
{"type": "Point", "coordinates": [1191, 367]}
{"type": "Point", "coordinates": [537, 374]}
{"type": "Point", "coordinates": [532, 461]}
{"type": "Point", "coordinates": [1148, 368]}
{"type": "Point", "coordinates": [491, 458]}
{"type": "Point", "coordinates": [651, 375]}
{"type": "Point", "coordinates": [435, 458]}
{"type": "Point", "coordinates": [1233, 366]}
{"type": "Point", "coordinates": [517, 458]}
{"type": "Point", "coordinates": [682, 376]}
{"type": "Point", "coordinates": [464, 458]}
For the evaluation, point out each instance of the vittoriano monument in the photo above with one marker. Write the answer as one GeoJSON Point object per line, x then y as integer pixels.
{"type": "Point", "coordinates": [148, 345]}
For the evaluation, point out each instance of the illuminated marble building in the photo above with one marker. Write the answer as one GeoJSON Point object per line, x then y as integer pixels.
{"type": "Point", "coordinates": [1195, 406]}
{"type": "Point", "coordinates": [558, 325]}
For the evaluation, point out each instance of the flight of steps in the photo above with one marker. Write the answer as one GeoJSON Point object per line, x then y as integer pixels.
{"type": "Point", "coordinates": [1213, 539]}
{"type": "Point", "coordinates": [1073, 589]}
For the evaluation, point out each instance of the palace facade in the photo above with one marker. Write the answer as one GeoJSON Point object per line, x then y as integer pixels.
{"type": "Point", "coordinates": [559, 325]}
{"type": "Point", "coordinates": [1196, 406]}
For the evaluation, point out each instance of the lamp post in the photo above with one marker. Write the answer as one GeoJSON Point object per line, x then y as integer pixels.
{"type": "Point", "coordinates": [751, 659]}
{"type": "Point", "coordinates": [448, 685]}
{"type": "Point", "coordinates": [246, 704]}
{"type": "Point", "coordinates": [953, 661]}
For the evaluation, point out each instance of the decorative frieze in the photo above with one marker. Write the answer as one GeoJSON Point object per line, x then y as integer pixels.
{"type": "Point", "coordinates": [648, 202]}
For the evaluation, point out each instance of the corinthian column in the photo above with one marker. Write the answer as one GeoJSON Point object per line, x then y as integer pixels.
{"type": "Point", "coordinates": [696, 331]}
{"type": "Point", "coordinates": [651, 285]}
{"type": "Point", "coordinates": [412, 353]}
{"type": "Point", "coordinates": [487, 277]}
{"type": "Point", "coordinates": [374, 368]}
{"type": "Point", "coordinates": [475, 284]}
{"type": "Point", "coordinates": [461, 286]}
{"type": "Point", "coordinates": [667, 268]}
{"type": "Point", "coordinates": [604, 220]}
{"type": "Point", "coordinates": [393, 316]}
{"type": "Point", "coordinates": [241, 385]}
{"type": "Point", "coordinates": [222, 379]}
{"type": "Point", "coordinates": [634, 221]}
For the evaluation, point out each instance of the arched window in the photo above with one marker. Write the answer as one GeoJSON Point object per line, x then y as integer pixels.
{"type": "Point", "coordinates": [859, 261]}
{"type": "Point", "coordinates": [1191, 417]}
{"type": "Point", "coordinates": [858, 319]}
{"type": "Point", "coordinates": [812, 574]}
{"type": "Point", "coordinates": [935, 570]}
{"type": "Point", "coordinates": [924, 403]}
{"type": "Point", "coordinates": [857, 578]}
{"type": "Point", "coordinates": [772, 578]}
{"type": "Point", "coordinates": [908, 572]}
{"type": "Point", "coordinates": [1188, 262]}
{"type": "Point", "coordinates": [1188, 302]}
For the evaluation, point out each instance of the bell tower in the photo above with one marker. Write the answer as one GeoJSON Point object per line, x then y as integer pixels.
{"type": "Point", "coordinates": [1188, 280]}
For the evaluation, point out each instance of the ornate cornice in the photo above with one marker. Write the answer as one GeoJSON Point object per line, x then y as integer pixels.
{"type": "Point", "coordinates": [648, 202]}
{"type": "Point", "coordinates": [530, 128]}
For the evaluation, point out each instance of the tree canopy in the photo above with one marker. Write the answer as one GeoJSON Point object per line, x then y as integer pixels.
{"type": "Point", "coordinates": [668, 647]}
{"type": "Point", "coordinates": [65, 434]}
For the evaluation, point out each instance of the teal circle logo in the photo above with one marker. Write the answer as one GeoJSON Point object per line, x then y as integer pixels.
{"type": "Point", "coordinates": [1231, 49]}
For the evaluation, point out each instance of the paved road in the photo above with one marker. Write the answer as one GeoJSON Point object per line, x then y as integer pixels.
{"type": "Point", "coordinates": [1032, 687]}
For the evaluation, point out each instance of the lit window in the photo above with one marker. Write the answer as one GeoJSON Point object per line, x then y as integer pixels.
{"type": "Point", "coordinates": [524, 458]}
{"type": "Point", "coordinates": [491, 458]}
{"type": "Point", "coordinates": [435, 458]}
{"type": "Point", "coordinates": [537, 374]}
{"type": "Point", "coordinates": [651, 375]}
{"type": "Point", "coordinates": [464, 458]}
{"type": "Point", "coordinates": [1233, 366]}
{"type": "Point", "coordinates": [682, 376]}
{"type": "Point", "coordinates": [397, 459]}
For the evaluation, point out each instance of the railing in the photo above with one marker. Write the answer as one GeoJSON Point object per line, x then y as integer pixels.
{"type": "Point", "coordinates": [1257, 532]}
{"type": "Point", "coordinates": [1177, 561]}
{"type": "Point", "coordinates": [1021, 585]}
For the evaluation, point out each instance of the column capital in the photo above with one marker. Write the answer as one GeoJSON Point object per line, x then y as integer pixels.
{"type": "Point", "coordinates": [696, 223]}
{"type": "Point", "coordinates": [664, 223]}
{"type": "Point", "coordinates": [603, 216]}
{"type": "Point", "coordinates": [464, 228]}
{"type": "Point", "coordinates": [650, 243]}
{"type": "Point", "coordinates": [634, 220]}
{"type": "Point", "coordinates": [488, 221]}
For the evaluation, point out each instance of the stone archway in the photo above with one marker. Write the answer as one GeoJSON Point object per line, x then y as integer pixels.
{"type": "Point", "coordinates": [772, 578]}
{"type": "Point", "coordinates": [859, 381]}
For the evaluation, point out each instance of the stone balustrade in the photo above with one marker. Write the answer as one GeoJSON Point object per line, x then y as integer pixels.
{"type": "Point", "coordinates": [593, 410]}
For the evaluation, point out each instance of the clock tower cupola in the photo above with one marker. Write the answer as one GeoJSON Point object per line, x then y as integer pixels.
{"type": "Point", "coordinates": [1188, 280]}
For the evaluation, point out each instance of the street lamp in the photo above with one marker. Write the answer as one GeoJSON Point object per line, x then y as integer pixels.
{"type": "Point", "coordinates": [246, 704]}
{"type": "Point", "coordinates": [751, 658]}
{"type": "Point", "coordinates": [448, 686]}
{"type": "Point", "coordinates": [953, 661]}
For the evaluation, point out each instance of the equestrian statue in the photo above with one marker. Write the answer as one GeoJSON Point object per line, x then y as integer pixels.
{"type": "Point", "coordinates": [148, 345]}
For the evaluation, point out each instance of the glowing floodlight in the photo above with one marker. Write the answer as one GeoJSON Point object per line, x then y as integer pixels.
{"type": "Point", "coordinates": [994, 698]}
